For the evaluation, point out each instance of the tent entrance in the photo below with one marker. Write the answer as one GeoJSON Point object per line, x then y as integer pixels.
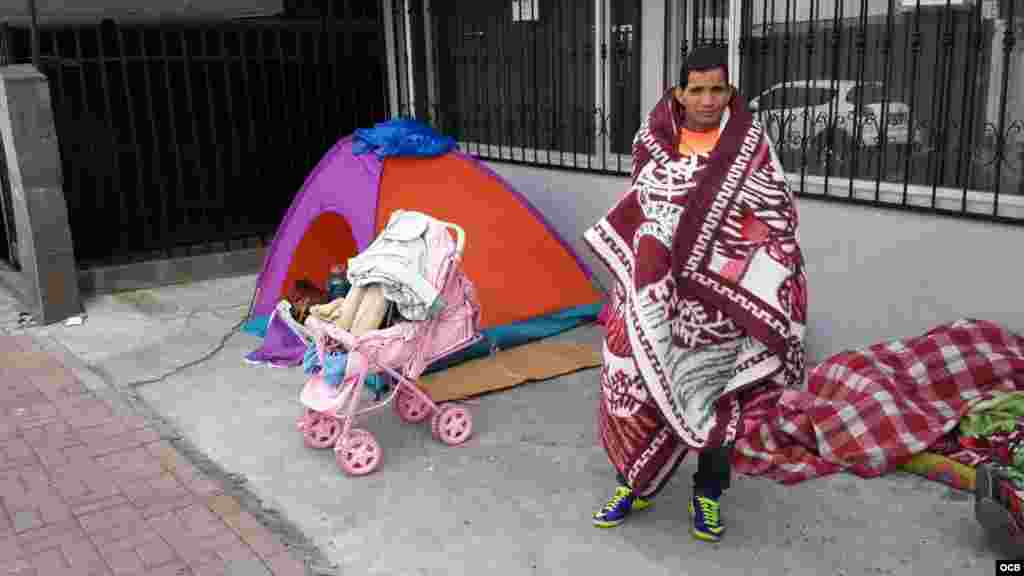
{"type": "Point", "coordinates": [327, 241]}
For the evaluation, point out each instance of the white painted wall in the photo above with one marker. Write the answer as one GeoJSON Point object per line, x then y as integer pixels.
{"type": "Point", "coordinates": [16, 11]}
{"type": "Point", "coordinates": [873, 274]}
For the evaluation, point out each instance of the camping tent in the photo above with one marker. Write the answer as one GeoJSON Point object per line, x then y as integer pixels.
{"type": "Point", "coordinates": [530, 282]}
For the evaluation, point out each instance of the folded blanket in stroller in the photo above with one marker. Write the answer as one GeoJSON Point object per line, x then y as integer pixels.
{"type": "Point", "coordinates": [399, 260]}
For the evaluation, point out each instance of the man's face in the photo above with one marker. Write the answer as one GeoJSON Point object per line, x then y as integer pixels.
{"type": "Point", "coordinates": [705, 97]}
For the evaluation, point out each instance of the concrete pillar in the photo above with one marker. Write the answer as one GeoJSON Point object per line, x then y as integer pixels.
{"type": "Point", "coordinates": [652, 49]}
{"type": "Point", "coordinates": [48, 280]}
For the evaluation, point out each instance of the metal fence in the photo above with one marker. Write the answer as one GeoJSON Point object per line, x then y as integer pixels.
{"type": "Point", "coordinates": [920, 106]}
{"type": "Point", "coordinates": [884, 102]}
{"type": "Point", "coordinates": [178, 135]}
{"type": "Point", "coordinates": [539, 81]}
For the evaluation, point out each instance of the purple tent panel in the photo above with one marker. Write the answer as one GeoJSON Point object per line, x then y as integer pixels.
{"type": "Point", "coordinates": [337, 184]}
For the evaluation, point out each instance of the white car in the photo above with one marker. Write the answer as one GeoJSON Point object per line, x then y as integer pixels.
{"type": "Point", "coordinates": [813, 110]}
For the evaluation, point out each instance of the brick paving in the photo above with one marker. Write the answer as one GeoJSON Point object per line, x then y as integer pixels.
{"type": "Point", "coordinates": [85, 491]}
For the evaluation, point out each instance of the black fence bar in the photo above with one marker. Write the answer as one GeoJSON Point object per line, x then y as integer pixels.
{"type": "Point", "coordinates": [188, 217]}
{"type": "Point", "coordinates": [229, 215]}
{"type": "Point", "coordinates": [284, 109]}
{"type": "Point", "coordinates": [1009, 42]}
{"type": "Point", "coordinates": [34, 31]}
{"type": "Point", "coordinates": [140, 236]}
{"type": "Point", "coordinates": [158, 178]}
{"type": "Point", "coordinates": [252, 139]}
{"type": "Point", "coordinates": [179, 170]}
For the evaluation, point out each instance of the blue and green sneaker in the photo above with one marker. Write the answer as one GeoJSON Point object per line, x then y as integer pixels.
{"type": "Point", "coordinates": [707, 518]}
{"type": "Point", "coordinates": [618, 508]}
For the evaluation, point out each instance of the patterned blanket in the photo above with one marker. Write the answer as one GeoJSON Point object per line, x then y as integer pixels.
{"type": "Point", "coordinates": [869, 411]}
{"type": "Point", "coordinates": [706, 257]}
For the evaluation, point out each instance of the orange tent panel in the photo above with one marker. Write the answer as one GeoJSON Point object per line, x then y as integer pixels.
{"type": "Point", "coordinates": [519, 268]}
{"type": "Point", "coordinates": [327, 241]}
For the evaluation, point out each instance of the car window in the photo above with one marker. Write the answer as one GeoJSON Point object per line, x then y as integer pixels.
{"type": "Point", "coordinates": [816, 96]}
{"type": "Point", "coordinates": [788, 97]}
{"type": "Point", "coordinates": [870, 94]}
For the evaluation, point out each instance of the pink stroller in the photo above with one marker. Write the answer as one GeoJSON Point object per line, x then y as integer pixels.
{"type": "Point", "coordinates": [402, 351]}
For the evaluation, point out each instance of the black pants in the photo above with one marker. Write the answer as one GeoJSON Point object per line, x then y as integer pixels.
{"type": "Point", "coordinates": [714, 469]}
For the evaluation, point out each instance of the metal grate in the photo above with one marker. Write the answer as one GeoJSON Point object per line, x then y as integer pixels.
{"type": "Point", "coordinates": [181, 134]}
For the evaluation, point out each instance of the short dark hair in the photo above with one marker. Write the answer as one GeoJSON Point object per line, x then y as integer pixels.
{"type": "Point", "coordinates": [703, 59]}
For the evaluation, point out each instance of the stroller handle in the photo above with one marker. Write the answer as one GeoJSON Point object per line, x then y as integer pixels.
{"type": "Point", "coordinates": [460, 238]}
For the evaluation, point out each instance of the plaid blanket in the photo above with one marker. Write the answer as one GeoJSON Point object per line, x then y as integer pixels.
{"type": "Point", "coordinates": [1013, 499]}
{"type": "Point", "coordinates": [871, 410]}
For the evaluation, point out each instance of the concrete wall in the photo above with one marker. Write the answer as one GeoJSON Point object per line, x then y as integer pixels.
{"type": "Point", "coordinates": [873, 274]}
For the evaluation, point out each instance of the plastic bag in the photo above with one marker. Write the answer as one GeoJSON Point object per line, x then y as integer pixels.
{"type": "Point", "coordinates": [402, 137]}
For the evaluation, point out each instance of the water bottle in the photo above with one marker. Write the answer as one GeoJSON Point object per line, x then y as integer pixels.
{"type": "Point", "coordinates": [337, 283]}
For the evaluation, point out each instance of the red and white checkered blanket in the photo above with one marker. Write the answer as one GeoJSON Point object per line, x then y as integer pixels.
{"type": "Point", "coordinates": [869, 411]}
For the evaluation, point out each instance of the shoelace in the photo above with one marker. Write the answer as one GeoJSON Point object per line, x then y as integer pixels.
{"type": "Point", "coordinates": [710, 509]}
{"type": "Point", "coordinates": [620, 495]}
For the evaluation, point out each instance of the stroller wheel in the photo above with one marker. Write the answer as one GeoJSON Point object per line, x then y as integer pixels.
{"type": "Point", "coordinates": [321, 431]}
{"type": "Point", "coordinates": [358, 453]}
{"type": "Point", "coordinates": [452, 424]}
{"type": "Point", "coordinates": [410, 408]}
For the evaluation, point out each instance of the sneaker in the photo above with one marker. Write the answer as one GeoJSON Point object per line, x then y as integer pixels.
{"type": "Point", "coordinates": [707, 519]}
{"type": "Point", "coordinates": [618, 508]}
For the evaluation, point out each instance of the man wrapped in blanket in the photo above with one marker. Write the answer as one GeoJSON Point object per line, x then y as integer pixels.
{"type": "Point", "coordinates": [710, 293]}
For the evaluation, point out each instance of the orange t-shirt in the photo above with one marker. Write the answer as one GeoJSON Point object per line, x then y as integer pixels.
{"type": "Point", "coordinates": [691, 142]}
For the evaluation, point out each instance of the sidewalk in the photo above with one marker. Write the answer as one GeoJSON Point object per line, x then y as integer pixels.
{"type": "Point", "coordinates": [88, 488]}
{"type": "Point", "coordinates": [516, 499]}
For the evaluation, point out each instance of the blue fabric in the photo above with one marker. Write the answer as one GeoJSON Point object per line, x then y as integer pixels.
{"type": "Point", "coordinates": [311, 360]}
{"type": "Point", "coordinates": [257, 326]}
{"type": "Point", "coordinates": [379, 384]}
{"type": "Point", "coordinates": [402, 137]}
{"type": "Point", "coordinates": [500, 337]}
{"type": "Point", "coordinates": [333, 367]}
{"type": "Point", "coordinates": [338, 290]}
{"type": "Point", "coordinates": [512, 335]}
{"type": "Point", "coordinates": [334, 371]}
